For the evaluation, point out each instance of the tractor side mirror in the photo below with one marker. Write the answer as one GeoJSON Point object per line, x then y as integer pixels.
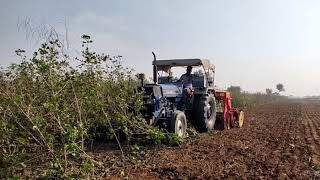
{"type": "Point", "coordinates": [141, 77]}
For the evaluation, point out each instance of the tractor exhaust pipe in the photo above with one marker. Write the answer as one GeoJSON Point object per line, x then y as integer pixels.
{"type": "Point", "coordinates": [155, 69]}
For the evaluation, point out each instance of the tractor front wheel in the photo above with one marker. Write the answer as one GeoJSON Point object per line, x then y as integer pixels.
{"type": "Point", "coordinates": [178, 124]}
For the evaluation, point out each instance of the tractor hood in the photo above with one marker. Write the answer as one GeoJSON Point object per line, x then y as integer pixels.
{"type": "Point", "coordinates": [171, 90]}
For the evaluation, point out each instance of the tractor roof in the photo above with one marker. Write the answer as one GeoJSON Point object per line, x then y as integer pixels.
{"type": "Point", "coordinates": [166, 65]}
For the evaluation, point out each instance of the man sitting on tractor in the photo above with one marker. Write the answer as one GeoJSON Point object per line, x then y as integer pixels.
{"type": "Point", "coordinates": [186, 78]}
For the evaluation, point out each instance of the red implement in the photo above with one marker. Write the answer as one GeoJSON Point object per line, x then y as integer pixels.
{"type": "Point", "coordinates": [228, 117]}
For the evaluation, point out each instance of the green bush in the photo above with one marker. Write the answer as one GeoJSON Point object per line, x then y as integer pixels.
{"type": "Point", "coordinates": [51, 106]}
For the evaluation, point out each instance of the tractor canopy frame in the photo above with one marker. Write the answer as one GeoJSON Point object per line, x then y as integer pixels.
{"type": "Point", "coordinates": [166, 65]}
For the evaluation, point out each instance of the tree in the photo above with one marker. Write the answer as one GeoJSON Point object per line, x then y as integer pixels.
{"type": "Point", "coordinates": [234, 89]}
{"type": "Point", "coordinates": [280, 87]}
{"type": "Point", "coordinates": [268, 91]}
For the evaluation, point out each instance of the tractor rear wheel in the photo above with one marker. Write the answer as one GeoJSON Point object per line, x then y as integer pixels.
{"type": "Point", "coordinates": [178, 124]}
{"type": "Point", "coordinates": [204, 112]}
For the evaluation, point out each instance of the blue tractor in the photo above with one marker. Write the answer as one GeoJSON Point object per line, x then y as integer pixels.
{"type": "Point", "coordinates": [168, 105]}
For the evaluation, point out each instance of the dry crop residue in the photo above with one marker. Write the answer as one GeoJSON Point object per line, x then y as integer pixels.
{"type": "Point", "coordinates": [278, 140]}
{"type": "Point", "coordinates": [311, 121]}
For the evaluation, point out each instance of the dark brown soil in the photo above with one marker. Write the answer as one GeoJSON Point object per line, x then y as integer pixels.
{"type": "Point", "coordinates": [278, 141]}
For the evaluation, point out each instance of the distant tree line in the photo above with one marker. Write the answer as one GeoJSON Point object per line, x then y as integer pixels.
{"type": "Point", "coordinates": [242, 98]}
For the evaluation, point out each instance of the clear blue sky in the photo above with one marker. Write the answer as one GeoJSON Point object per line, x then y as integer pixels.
{"type": "Point", "coordinates": [253, 43]}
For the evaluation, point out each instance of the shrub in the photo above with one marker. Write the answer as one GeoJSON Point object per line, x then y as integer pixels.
{"type": "Point", "coordinates": [52, 105]}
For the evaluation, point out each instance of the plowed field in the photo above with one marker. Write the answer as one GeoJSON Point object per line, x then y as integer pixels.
{"type": "Point", "coordinates": [277, 141]}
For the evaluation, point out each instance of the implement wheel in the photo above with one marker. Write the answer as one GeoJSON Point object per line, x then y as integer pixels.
{"type": "Point", "coordinates": [204, 112]}
{"type": "Point", "coordinates": [240, 119]}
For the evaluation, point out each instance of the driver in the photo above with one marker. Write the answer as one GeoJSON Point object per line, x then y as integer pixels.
{"type": "Point", "coordinates": [186, 78]}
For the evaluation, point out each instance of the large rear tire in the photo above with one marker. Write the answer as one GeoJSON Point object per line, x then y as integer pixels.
{"type": "Point", "coordinates": [204, 112]}
{"type": "Point", "coordinates": [178, 124]}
